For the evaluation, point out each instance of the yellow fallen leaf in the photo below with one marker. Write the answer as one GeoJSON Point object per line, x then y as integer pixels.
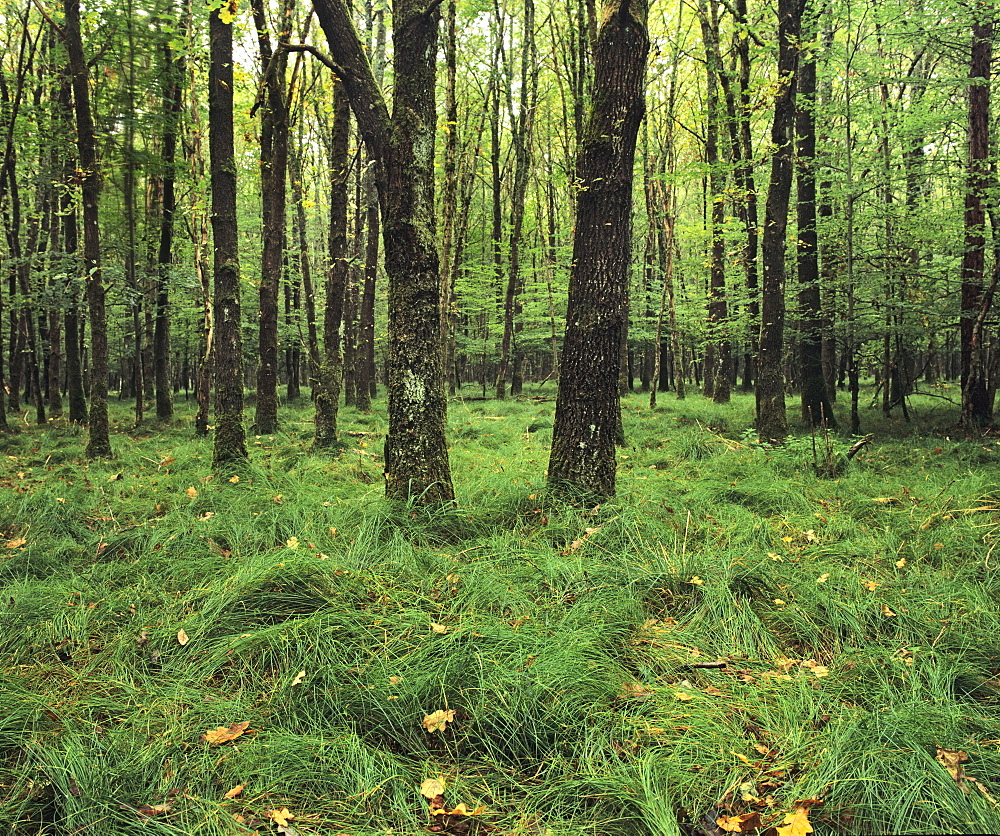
{"type": "Point", "coordinates": [810, 535]}
{"type": "Point", "coordinates": [395, 680]}
{"type": "Point", "coordinates": [871, 586]}
{"type": "Point", "coordinates": [779, 602]}
{"type": "Point", "coordinates": [182, 638]}
{"type": "Point", "coordinates": [796, 823]}
{"type": "Point", "coordinates": [787, 539]}
{"type": "Point", "coordinates": [192, 492]}
{"type": "Point", "coordinates": [234, 479]}
{"type": "Point", "coordinates": [432, 787]}
{"type": "Point", "coordinates": [298, 678]}
{"type": "Point", "coordinates": [823, 578]}
{"type": "Point", "coordinates": [292, 542]}
{"type": "Point", "coordinates": [438, 720]}
{"type": "Point", "coordinates": [696, 581]}
{"type": "Point", "coordinates": [17, 543]}
{"type": "Point", "coordinates": [774, 556]}
{"type": "Point", "coordinates": [683, 696]}
{"type": "Point", "coordinates": [887, 612]}
{"type": "Point", "coordinates": [223, 734]}
{"type": "Point", "coordinates": [235, 791]}
{"type": "Point", "coordinates": [743, 758]}
{"type": "Point", "coordinates": [901, 563]}
{"type": "Point", "coordinates": [438, 628]}
{"type": "Point", "coordinates": [280, 817]}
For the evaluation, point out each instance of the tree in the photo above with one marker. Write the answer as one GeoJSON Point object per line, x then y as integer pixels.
{"type": "Point", "coordinates": [588, 411]}
{"type": "Point", "coordinates": [402, 145]}
{"type": "Point", "coordinates": [229, 452]}
{"type": "Point", "coordinates": [99, 441]}
{"type": "Point", "coordinates": [772, 424]}
{"type": "Point", "coordinates": [977, 393]}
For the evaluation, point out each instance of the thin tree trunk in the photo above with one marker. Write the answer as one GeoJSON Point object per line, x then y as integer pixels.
{"type": "Point", "coordinates": [99, 441]}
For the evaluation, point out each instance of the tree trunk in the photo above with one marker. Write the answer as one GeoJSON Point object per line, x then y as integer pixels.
{"type": "Point", "coordinates": [273, 171]}
{"type": "Point", "coordinates": [588, 411]}
{"type": "Point", "coordinates": [977, 403]}
{"type": "Point", "coordinates": [816, 407]}
{"type": "Point", "coordinates": [330, 371]}
{"type": "Point", "coordinates": [416, 453]}
{"type": "Point", "coordinates": [772, 424]}
{"type": "Point", "coordinates": [99, 441]}
{"type": "Point", "coordinates": [229, 452]}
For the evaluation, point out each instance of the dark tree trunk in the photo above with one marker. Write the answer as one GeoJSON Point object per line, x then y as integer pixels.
{"type": "Point", "coordinates": [588, 411]}
{"type": "Point", "coordinates": [172, 103]}
{"type": "Point", "coordinates": [229, 453]}
{"type": "Point", "coordinates": [816, 408]}
{"type": "Point", "coordinates": [273, 170]}
{"type": "Point", "coordinates": [977, 400]}
{"type": "Point", "coordinates": [99, 441]}
{"type": "Point", "coordinates": [718, 370]}
{"type": "Point", "coordinates": [772, 423]}
{"type": "Point", "coordinates": [416, 453]}
{"type": "Point", "coordinates": [330, 371]}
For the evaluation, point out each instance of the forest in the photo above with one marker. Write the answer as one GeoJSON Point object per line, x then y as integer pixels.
{"type": "Point", "coordinates": [520, 418]}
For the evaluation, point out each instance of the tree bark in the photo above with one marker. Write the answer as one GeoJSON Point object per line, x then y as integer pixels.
{"type": "Point", "coordinates": [588, 411]}
{"type": "Point", "coordinates": [99, 441]}
{"type": "Point", "coordinates": [977, 401]}
{"type": "Point", "coordinates": [229, 453]}
{"type": "Point", "coordinates": [816, 407]}
{"type": "Point", "coordinates": [772, 423]}
{"type": "Point", "coordinates": [416, 453]}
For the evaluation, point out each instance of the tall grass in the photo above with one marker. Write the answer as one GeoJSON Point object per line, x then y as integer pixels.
{"type": "Point", "coordinates": [146, 604]}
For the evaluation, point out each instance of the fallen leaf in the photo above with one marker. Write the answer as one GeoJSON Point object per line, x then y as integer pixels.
{"type": "Point", "coordinates": [192, 492]}
{"type": "Point", "coordinates": [292, 542]}
{"type": "Point", "coordinates": [683, 696]}
{"type": "Point", "coordinates": [432, 787]}
{"type": "Point", "coordinates": [280, 817]}
{"type": "Point", "coordinates": [775, 556]}
{"type": "Point", "coordinates": [395, 680]}
{"type": "Point", "coordinates": [810, 535]}
{"type": "Point", "coordinates": [182, 638]}
{"type": "Point", "coordinates": [739, 824]}
{"type": "Point", "coordinates": [696, 581]}
{"type": "Point", "coordinates": [298, 678]}
{"type": "Point", "coordinates": [235, 791]}
{"type": "Point", "coordinates": [16, 544]}
{"type": "Point", "coordinates": [823, 578]}
{"type": "Point", "coordinates": [223, 734]}
{"type": "Point", "coordinates": [712, 691]}
{"type": "Point", "coordinates": [796, 823]}
{"type": "Point", "coordinates": [743, 758]}
{"type": "Point", "coordinates": [871, 586]}
{"type": "Point", "coordinates": [439, 720]}
{"type": "Point", "coordinates": [234, 479]}
{"type": "Point", "coordinates": [888, 613]}
{"type": "Point", "coordinates": [152, 809]}
{"type": "Point", "coordinates": [779, 602]}
{"type": "Point", "coordinates": [438, 628]}
{"type": "Point", "coordinates": [901, 563]}
{"type": "Point", "coordinates": [952, 761]}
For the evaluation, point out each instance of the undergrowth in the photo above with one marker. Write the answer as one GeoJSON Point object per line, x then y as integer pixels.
{"type": "Point", "coordinates": [736, 633]}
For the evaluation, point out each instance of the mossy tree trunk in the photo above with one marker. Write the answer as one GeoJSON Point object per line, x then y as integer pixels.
{"type": "Point", "coordinates": [416, 453]}
{"type": "Point", "coordinates": [229, 453]}
{"type": "Point", "coordinates": [588, 412]}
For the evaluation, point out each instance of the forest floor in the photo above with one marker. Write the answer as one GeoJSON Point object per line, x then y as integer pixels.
{"type": "Point", "coordinates": [739, 642]}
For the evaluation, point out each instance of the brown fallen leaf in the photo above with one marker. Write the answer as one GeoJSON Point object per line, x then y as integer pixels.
{"type": "Point", "coordinates": [152, 809]}
{"type": "Point", "coordinates": [224, 734]}
{"type": "Point", "coordinates": [952, 761]}
{"type": "Point", "coordinates": [235, 791]}
{"type": "Point", "coordinates": [16, 543]}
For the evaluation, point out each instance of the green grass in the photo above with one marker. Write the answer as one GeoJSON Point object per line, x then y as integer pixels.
{"type": "Point", "coordinates": [857, 616]}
